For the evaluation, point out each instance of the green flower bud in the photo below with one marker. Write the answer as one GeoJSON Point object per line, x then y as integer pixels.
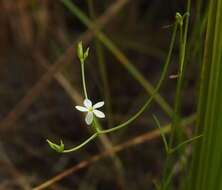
{"type": "Point", "coordinates": [86, 54]}
{"type": "Point", "coordinates": [57, 148]}
{"type": "Point", "coordinates": [80, 51]}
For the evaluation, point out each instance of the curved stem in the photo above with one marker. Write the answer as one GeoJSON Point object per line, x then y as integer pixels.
{"type": "Point", "coordinates": [133, 118]}
{"type": "Point", "coordinates": [144, 107]}
{"type": "Point", "coordinates": [82, 144]}
{"type": "Point", "coordinates": [126, 123]}
{"type": "Point", "coordinates": [148, 102]}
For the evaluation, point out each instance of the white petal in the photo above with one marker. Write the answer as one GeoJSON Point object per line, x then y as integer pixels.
{"type": "Point", "coordinates": [89, 118]}
{"type": "Point", "coordinates": [87, 103]}
{"type": "Point", "coordinates": [81, 108]}
{"type": "Point", "coordinates": [98, 105]}
{"type": "Point", "coordinates": [99, 113]}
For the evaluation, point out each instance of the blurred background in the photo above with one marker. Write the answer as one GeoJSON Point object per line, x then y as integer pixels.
{"type": "Point", "coordinates": [41, 84]}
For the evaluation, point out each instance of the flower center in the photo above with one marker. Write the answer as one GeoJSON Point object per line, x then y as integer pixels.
{"type": "Point", "coordinates": [90, 109]}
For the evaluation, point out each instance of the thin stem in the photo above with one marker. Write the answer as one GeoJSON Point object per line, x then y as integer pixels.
{"type": "Point", "coordinates": [82, 144]}
{"type": "Point", "coordinates": [129, 121]}
{"type": "Point", "coordinates": [83, 80]}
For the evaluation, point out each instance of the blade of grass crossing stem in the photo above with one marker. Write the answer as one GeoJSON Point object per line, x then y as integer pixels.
{"type": "Point", "coordinates": [119, 55]}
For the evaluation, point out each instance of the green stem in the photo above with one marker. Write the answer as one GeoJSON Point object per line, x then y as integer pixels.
{"type": "Point", "coordinates": [148, 102]}
{"type": "Point", "coordinates": [82, 144]}
{"type": "Point", "coordinates": [84, 80]}
{"type": "Point", "coordinates": [185, 122]}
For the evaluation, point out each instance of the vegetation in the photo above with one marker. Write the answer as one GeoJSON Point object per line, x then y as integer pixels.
{"type": "Point", "coordinates": [132, 94]}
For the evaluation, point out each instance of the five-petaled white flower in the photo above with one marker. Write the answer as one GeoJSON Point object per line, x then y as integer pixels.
{"type": "Point", "coordinates": [91, 109]}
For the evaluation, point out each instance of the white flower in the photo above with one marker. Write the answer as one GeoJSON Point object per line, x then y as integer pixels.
{"type": "Point", "coordinates": [91, 109]}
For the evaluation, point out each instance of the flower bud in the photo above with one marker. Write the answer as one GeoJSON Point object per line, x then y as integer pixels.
{"type": "Point", "coordinates": [57, 148]}
{"type": "Point", "coordinates": [80, 51]}
{"type": "Point", "coordinates": [86, 53]}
